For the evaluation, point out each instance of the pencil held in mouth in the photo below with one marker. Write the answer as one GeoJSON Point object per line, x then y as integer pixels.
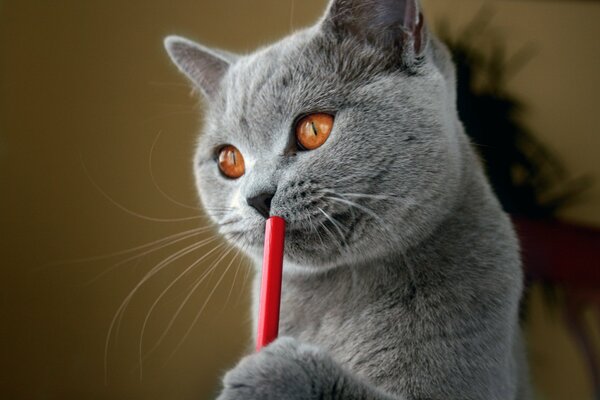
{"type": "Point", "coordinates": [270, 288]}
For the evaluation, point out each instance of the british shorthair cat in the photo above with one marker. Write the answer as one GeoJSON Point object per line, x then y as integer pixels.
{"type": "Point", "coordinates": [402, 276]}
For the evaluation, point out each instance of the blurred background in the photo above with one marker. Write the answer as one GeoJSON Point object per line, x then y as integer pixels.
{"type": "Point", "coordinates": [97, 130]}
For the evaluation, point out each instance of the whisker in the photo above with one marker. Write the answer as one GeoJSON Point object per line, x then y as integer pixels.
{"type": "Point", "coordinates": [292, 17]}
{"type": "Point", "coordinates": [191, 232]}
{"type": "Point", "coordinates": [333, 237]}
{"type": "Point", "coordinates": [313, 228]}
{"type": "Point", "coordinates": [165, 262]}
{"type": "Point", "coordinates": [177, 239]}
{"type": "Point", "coordinates": [162, 294]}
{"type": "Point", "coordinates": [358, 206]}
{"type": "Point", "coordinates": [335, 225]}
{"type": "Point", "coordinates": [189, 330]}
{"type": "Point", "coordinates": [382, 225]}
{"type": "Point", "coordinates": [169, 114]}
{"type": "Point", "coordinates": [363, 195]}
{"type": "Point", "coordinates": [173, 84]}
{"type": "Point", "coordinates": [223, 208]}
{"type": "Point", "coordinates": [157, 186]}
{"type": "Point", "coordinates": [247, 271]}
{"type": "Point", "coordinates": [232, 220]}
{"type": "Point", "coordinates": [237, 270]}
{"type": "Point", "coordinates": [197, 283]}
{"type": "Point", "coordinates": [222, 212]}
{"type": "Point", "coordinates": [127, 210]}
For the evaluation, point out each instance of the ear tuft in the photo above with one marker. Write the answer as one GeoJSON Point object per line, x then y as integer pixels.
{"type": "Point", "coordinates": [203, 66]}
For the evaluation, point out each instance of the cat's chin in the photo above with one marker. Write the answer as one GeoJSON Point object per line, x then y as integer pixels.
{"type": "Point", "coordinates": [300, 252]}
{"type": "Point", "coordinates": [306, 248]}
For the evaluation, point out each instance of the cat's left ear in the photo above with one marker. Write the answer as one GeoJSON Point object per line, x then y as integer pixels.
{"type": "Point", "coordinates": [203, 66]}
{"type": "Point", "coordinates": [396, 25]}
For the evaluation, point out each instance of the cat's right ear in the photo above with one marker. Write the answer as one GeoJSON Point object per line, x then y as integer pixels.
{"type": "Point", "coordinates": [203, 66]}
{"type": "Point", "coordinates": [395, 25]}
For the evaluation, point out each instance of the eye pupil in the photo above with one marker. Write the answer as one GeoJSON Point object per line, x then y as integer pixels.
{"type": "Point", "coordinates": [313, 130]}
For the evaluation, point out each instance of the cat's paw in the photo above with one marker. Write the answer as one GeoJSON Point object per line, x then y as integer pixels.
{"type": "Point", "coordinates": [286, 369]}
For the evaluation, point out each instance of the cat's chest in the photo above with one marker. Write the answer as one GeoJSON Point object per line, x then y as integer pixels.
{"type": "Point", "coordinates": [351, 326]}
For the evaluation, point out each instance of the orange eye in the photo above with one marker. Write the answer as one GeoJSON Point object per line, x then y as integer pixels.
{"type": "Point", "coordinates": [313, 130]}
{"type": "Point", "coordinates": [231, 162]}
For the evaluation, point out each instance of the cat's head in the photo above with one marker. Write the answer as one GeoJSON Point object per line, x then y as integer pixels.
{"type": "Point", "coordinates": [346, 129]}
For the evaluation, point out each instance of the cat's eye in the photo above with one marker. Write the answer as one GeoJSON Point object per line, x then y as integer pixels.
{"type": "Point", "coordinates": [231, 162]}
{"type": "Point", "coordinates": [313, 130]}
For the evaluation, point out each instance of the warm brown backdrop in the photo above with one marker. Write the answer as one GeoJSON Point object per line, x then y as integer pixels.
{"type": "Point", "coordinates": [87, 82]}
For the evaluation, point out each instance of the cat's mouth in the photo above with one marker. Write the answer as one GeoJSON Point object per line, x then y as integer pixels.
{"type": "Point", "coordinates": [316, 236]}
{"type": "Point", "coordinates": [321, 239]}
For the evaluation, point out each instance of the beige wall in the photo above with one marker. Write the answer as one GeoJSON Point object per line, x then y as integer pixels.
{"type": "Point", "coordinates": [89, 81]}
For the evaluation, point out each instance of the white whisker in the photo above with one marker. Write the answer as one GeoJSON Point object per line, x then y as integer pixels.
{"type": "Point", "coordinates": [127, 210]}
{"type": "Point", "coordinates": [358, 206]}
{"type": "Point", "coordinates": [247, 271]}
{"type": "Point", "coordinates": [292, 16]}
{"type": "Point", "coordinates": [333, 237]}
{"type": "Point", "coordinates": [313, 228]}
{"type": "Point", "coordinates": [174, 239]}
{"type": "Point", "coordinates": [157, 186]}
{"type": "Point", "coordinates": [165, 262]}
{"type": "Point", "coordinates": [237, 269]}
{"type": "Point", "coordinates": [195, 285]}
{"type": "Point", "coordinates": [335, 225]}
{"type": "Point", "coordinates": [189, 330]}
{"type": "Point", "coordinates": [363, 195]}
{"type": "Point", "coordinates": [382, 225]}
{"type": "Point", "coordinates": [162, 294]}
{"type": "Point", "coordinates": [191, 232]}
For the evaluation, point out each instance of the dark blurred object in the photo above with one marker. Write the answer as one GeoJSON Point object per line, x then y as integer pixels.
{"type": "Point", "coordinates": [565, 258]}
{"type": "Point", "coordinates": [529, 180]}
{"type": "Point", "coordinates": [559, 252]}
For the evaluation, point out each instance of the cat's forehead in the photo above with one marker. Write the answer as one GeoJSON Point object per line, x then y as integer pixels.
{"type": "Point", "coordinates": [251, 105]}
{"type": "Point", "coordinates": [273, 66]}
{"type": "Point", "coordinates": [265, 92]}
{"type": "Point", "coordinates": [259, 85]}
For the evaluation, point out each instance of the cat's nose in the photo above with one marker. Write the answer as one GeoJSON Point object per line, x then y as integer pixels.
{"type": "Point", "coordinates": [262, 203]}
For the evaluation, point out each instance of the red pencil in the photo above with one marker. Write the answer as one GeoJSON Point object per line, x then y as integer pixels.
{"type": "Point", "coordinates": [270, 288]}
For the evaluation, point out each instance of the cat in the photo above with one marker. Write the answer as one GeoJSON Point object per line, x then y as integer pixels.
{"type": "Point", "coordinates": [402, 275]}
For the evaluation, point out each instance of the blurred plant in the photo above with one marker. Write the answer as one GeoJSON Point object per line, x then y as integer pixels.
{"type": "Point", "coordinates": [528, 178]}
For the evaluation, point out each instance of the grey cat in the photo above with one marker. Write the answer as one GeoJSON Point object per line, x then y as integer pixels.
{"type": "Point", "coordinates": [402, 276]}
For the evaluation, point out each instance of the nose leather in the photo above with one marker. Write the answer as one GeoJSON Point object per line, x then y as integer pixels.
{"type": "Point", "coordinates": [261, 203]}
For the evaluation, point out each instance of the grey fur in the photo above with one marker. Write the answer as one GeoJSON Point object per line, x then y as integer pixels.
{"type": "Point", "coordinates": [402, 275]}
{"type": "Point", "coordinates": [205, 67]}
